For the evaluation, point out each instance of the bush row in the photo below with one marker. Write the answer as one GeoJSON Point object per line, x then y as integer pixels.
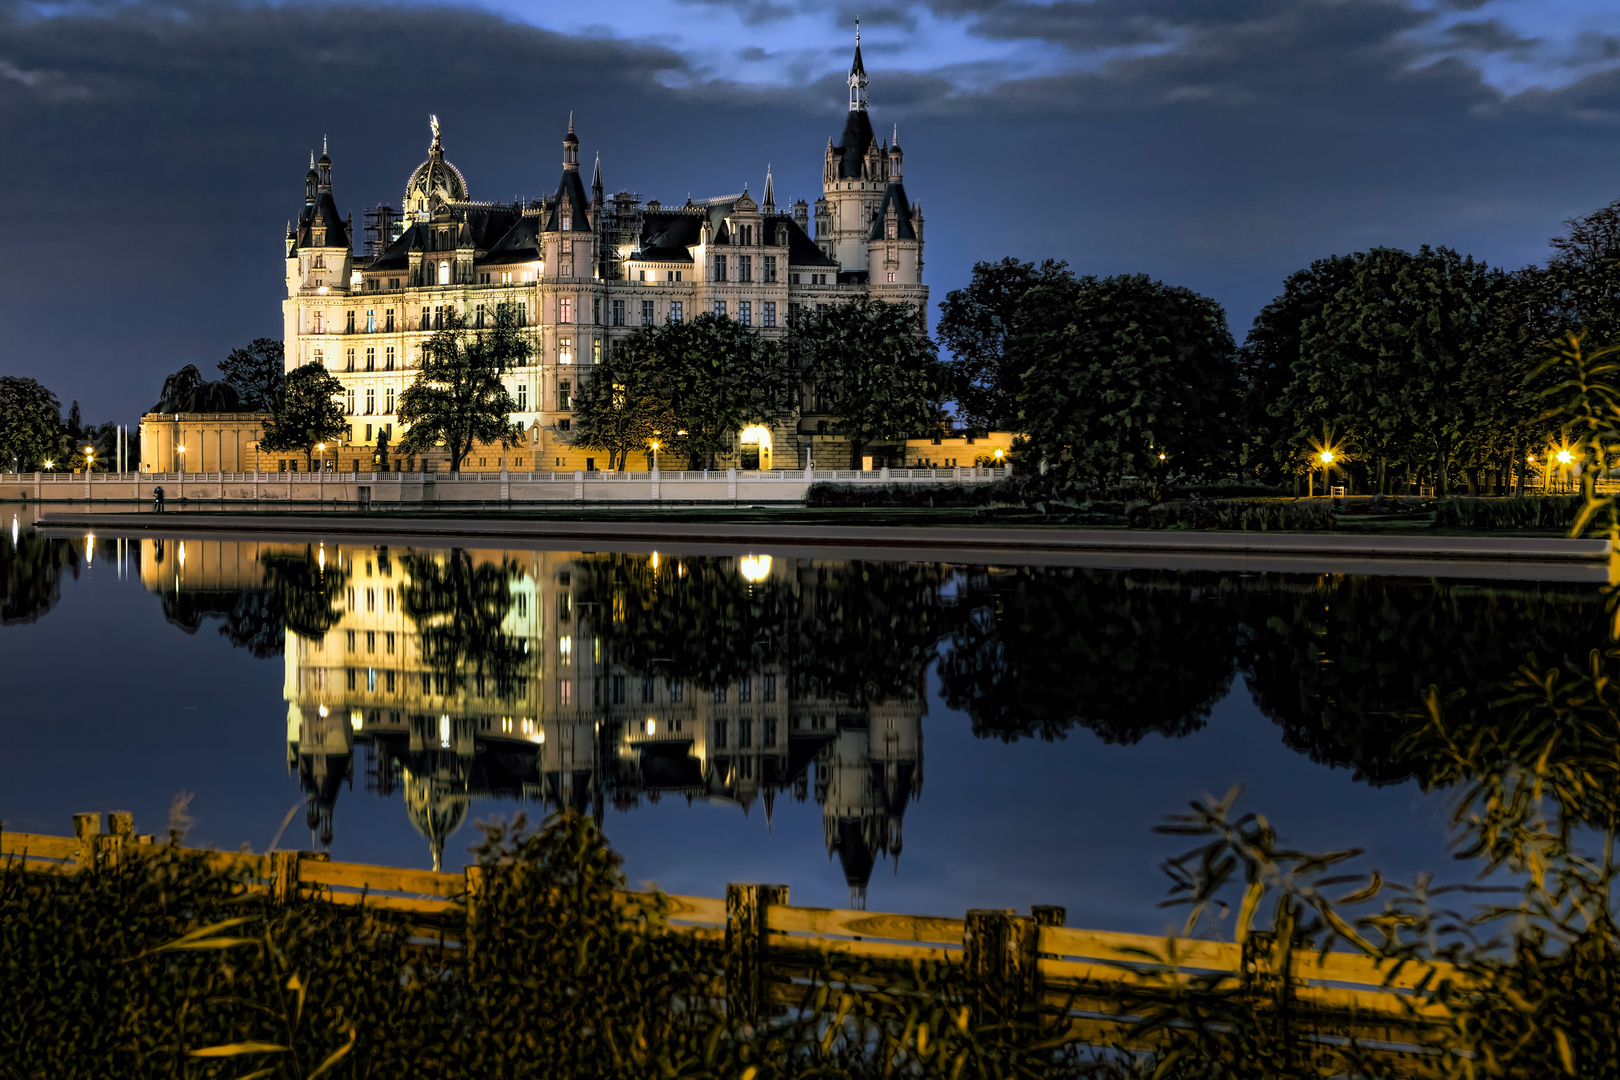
{"type": "Point", "coordinates": [1531, 512]}
{"type": "Point", "coordinates": [1244, 515]}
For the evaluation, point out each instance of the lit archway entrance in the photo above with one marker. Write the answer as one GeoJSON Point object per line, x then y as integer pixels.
{"type": "Point", "coordinates": [755, 442]}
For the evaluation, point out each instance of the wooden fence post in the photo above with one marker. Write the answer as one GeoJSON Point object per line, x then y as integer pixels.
{"type": "Point", "coordinates": [1000, 963]}
{"type": "Point", "coordinates": [87, 830]}
{"type": "Point", "coordinates": [1048, 914]}
{"type": "Point", "coordinates": [121, 827]}
{"type": "Point", "coordinates": [746, 907]}
{"type": "Point", "coordinates": [475, 893]}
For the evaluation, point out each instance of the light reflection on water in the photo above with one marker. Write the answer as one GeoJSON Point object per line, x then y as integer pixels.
{"type": "Point", "coordinates": [741, 717]}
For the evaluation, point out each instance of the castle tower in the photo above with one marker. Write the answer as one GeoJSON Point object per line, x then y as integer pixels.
{"type": "Point", "coordinates": [894, 242]}
{"type": "Point", "coordinates": [853, 179]}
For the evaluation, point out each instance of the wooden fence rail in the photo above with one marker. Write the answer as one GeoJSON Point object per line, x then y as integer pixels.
{"type": "Point", "coordinates": [1078, 978]}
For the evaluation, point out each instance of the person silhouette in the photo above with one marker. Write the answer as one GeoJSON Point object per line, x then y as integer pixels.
{"type": "Point", "coordinates": [157, 500]}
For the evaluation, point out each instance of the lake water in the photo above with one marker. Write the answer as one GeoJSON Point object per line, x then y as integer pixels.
{"type": "Point", "coordinates": [917, 737]}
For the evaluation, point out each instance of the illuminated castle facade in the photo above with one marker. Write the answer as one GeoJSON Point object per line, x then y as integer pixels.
{"type": "Point", "coordinates": [581, 269]}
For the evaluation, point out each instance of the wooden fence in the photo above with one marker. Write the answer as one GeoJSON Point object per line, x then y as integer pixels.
{"type": "Point", "coordinates": [1079, 979]}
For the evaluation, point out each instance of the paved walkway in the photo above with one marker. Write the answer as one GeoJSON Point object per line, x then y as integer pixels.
{"type": "Point", "coordinates": [1484, 556]}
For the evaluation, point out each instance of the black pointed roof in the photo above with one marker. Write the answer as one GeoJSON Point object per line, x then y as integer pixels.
{"type": "Point", "coordinates": [324, 214]}
{"type": "Point", "coordinates": [894, 203]}
{"type": "Point", "coordinates": [857, 139]}
{"type": "Point", "coordinates": [573, 188]}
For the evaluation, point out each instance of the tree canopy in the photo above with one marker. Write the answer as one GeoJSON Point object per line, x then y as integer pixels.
{"type": "Point", "coordinates": [875, 370]}
{"type": "Point", "coordinates": [457, 397]}
{"type": "Point", "coordinates": [308, 413]}
{"type": "Point", "coordinates": [623, 406]}
{"type": "Point", "coordinates": [186, 391]}
{"type": "Point", "coordinates": [974, 325]}
{"type": "Point", "coordinates": [1125, 376]}
{"type": "Point", "coordinates": [31, 430]}
{"type": "Point", "coordinates": [257, 372]}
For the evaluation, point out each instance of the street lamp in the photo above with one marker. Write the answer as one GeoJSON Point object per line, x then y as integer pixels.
{"type": "Point", "coordinates": [1000, 453]}
{"type": "Point", "coordinates": [50, 466]}
{"type": "Point", "coordinates": [655, 455]}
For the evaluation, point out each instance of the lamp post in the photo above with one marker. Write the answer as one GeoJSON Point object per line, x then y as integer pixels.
{"type": "Point", "coordinates": [1000, 453]}
{"type": "Point", "coordinates": [1327, 458]}
{"type": "Point", "coordinates": [181, 473]}
{"type": "Point", "coordinates": [1565, 458]}
{"type": "Point", "coordinates": [655, 455]}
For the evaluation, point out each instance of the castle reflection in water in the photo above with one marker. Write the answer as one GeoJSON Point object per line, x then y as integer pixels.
{"type": "Point", "coordinates": [563, 680]}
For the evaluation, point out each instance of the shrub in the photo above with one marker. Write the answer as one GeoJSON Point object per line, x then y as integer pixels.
{"type": "Point", "coordinates": [1243, 515]}
{"type": "Point", "coordinates": [909, 495]}
{"type": "Point", "coordinates": [1532, 512]}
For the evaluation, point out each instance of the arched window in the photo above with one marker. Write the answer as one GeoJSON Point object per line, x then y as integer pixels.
{"type": "Point", "coordinates": [444, 273]}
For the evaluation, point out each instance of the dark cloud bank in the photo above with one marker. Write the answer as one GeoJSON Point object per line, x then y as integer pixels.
{"type": "Point", "coordinates": [153, 156]}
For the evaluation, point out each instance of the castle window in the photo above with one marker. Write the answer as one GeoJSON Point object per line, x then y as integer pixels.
{"type": "Point", "coordinates": [745, 692]}
{"type": "Point", "coordinates": [565, 309]}
{"type": "Point", "coordinates": [523, 398]}
{"type": "Point", "coordinates": [348, 401]}
{"type": "Point", "coordinates": [349, 353]}
{"type": "Point", "coordinates": [769, 269]}
{"type": "Point", "coordinates": [643, 275]}
{"type": "Point", "coordinates": [596, 350]}
{"type": "Point", "coordinates": [438, 316]}
{"type": "Point", "coordinates": [523, 313]}
{"type": "Point", "coordinates": [349, 323]}
{"type": "Point", "coordinates": [618, 313]}
{"type": "Point", "coordinates": [565, 350]}
{"type": "Point", "coordinates": [677, 692]}
{"type": "Point", "coordinates": [719, 268]}
{"type": "Point", "coordinates": [793, 279]}
{"type": "Point", "coordinates": [745, 313]}
{"type": "Point", "coordinates": [444, 273]}
{"type": "Point", "coordinates": [770, 313]}
{"type": "Point", "coordinates": [478, 317]}
{"type": "Point", "coordinates": [565, 395]}
{"type": "Point", "coordinates": [596, 312]}
{"type": "Point", "coordinates": [371, 359]}
{"type": "Point", "coordinates": [320, 260]}
{"type": "Point", "coordinates": [770, 695]}
{"type": "Point", "coordinates": [320, 358]}
{"type": "Point", "coordinates": [745, 268]}
{"type": "Point", "coordinates": [720, 309]}
{"type": "Point", "coordinates": [891, 277]}
{"type": "Point", "coordinates": [393, 283]}
{"type": "Point", "coordinates": [646, 313]}
{"type": "Point", "coordinates": [388, 399]}
{"type": "Point", "coordinates": [320, 322]}
{"type": "Point", "coordinates": [388, 319]}
{"type": "Point", "coordinates": [793, 312]}
{"type": "Point", "coordinates": [424, 317]}
{"type": "Point", "coordinates": [565, 269]}
{"type": "Point", "coordinates": [388, 358]}
{"type": "Point", "coordinates": [371, 407]}
{"type": "Point", "coordinates": [371, 320]}
{"type": "Point", "coordinates": [566, 246]}
{"type": "Point", "coordinates": [675, 307]}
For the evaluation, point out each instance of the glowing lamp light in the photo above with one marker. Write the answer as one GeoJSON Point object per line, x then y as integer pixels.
{"type": "Point", "coordinates": [1565, 457]}
{"type": "Point", "coordinates": [1328, 457]}
{"type": "Point", "coordinates": [755, 567]}
{"type": "Point", "coordinates": [356, 719]}
{"type": "Point", "coordinates": [444, 732]}
{"type": "Point", "coordinates": [652, 725]}
{"type": "Point", "coordinates": [89, 548]}
{"type": "Point", "coordinates": [322, 710]}
{"type": "Point", "coordinates": [1001, 453]}
{"type": "Point", "coordinates": [1161, 457]}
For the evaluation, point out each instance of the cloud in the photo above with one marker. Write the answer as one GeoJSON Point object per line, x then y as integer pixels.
{"type": "Point", "coordinates": [1488, 36]}
{"type": "Point", "coordinates": [49, 85]}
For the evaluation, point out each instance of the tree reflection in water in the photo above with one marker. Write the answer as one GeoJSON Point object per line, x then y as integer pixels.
{"type": "Point", "coordinates": [593, 679]}
{"type": "Point", "coordinates": [31, 568]}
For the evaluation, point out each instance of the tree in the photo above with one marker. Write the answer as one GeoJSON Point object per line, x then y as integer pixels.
{"type": "Point", "coordinates": [975, 323]}
{"type": "Point", "coordinates": [1383, 360]}
{"type": "Point", "coordinates": [257, 371]}
{"type": "Point", "coordinates": [457, 398]}
{"type": "Point", "coordinates": [30, 424]}
{"type": "Point", "coordinates": [1126, 376]}
{"type": "Point", "coordinates": [308, 413]}
{"type": "Point", "coordinates": [875, 370]}
{"type": "Point", "coordinates": [624, 404]}
{"type": "Point", "coordinates": [460, 610]}
{"type": "Point", "coordinates": [186, 391]}
{"type": "Point", "coordinates": [1275, 416]}
{"type": "Point", "coordinates": [718, 376]}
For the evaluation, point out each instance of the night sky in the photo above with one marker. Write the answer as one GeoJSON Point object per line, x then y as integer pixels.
{"type": "Point", "coordinates": [154, 151]}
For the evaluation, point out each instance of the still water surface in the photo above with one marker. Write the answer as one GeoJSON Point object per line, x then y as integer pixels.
{"type": "Point", "coordinates": [920, 737]}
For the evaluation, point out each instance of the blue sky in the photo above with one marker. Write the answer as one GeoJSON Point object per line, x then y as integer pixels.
{"type": "Point", "coordinates": [157, 149]}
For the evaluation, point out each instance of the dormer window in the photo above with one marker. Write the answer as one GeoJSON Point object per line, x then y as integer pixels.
{"type": "Point", "coordinates": [567, 245]}
{"type": "Point", "coordinates": [320, 262]}
{"type": "Point", "coordinates": [319, 238]}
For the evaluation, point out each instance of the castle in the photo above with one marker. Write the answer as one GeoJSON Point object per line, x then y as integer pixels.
{"type": "Point", "coordinates": [581, 269]}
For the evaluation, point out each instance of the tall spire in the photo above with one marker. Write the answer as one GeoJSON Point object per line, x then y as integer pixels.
{"type": "Point", "coordinates": [769, 201]}
{"type": "Point", "coordinates": [857, 75]}
{"type": "Point", "coordinates": [571, 147]}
